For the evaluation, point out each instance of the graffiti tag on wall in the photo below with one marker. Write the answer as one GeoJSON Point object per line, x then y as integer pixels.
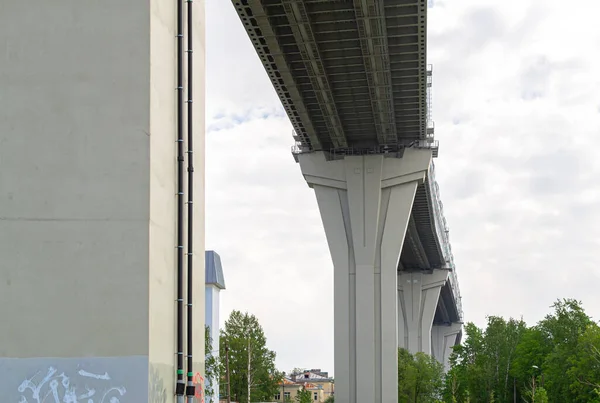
{"type": "Point", "coordinates": [55, 387]}
{"type": "Point", "coordinates": [199, 383]}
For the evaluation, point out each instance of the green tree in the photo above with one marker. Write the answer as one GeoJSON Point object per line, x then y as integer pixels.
{"type": "Point", "coordinates": [420, 377]}
{"type": "Point", "coordinates": [585, 366]}
{"type": "Point", "coordinates": [531, 353]}
{"type": "Point", "coordinates": [558, 360]}
{"type": "Point", "coordinates": [501, 339]}
{"type": "Point", "coordinates": [251, 364]}
{"type": "Point", "coordinates": [468, 377]}
{"type": "Point", "coordinates": [536, 395]}
{"type": "Point", "coordinates": [541, 396]}
{"type": "Point", "coordinates": [481, 367]}
{"type": "Point", "coordinates": [330, 399]}
{"type": "Point", "coordinates": [304, 396]}
{"type": "Point", "coordinates": [211, 364]}
{"type": "Point", "coordinates": [452, 387]}
{"type": "Point", "coordinates": [563, 329]}
{"type": "Point", "coordinates": [429, 378]}
{"type": "Point", "coordinates": [406, 376]}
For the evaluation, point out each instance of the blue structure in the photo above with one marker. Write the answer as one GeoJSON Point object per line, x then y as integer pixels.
{"type": "Point", "coordinates": [214, 283]}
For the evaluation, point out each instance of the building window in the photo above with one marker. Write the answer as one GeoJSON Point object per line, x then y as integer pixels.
{"type": "Point", "coordinates": [286, 395]}
{"type": "Point", "coordinates": [278, 396]}
{"type": "Point", "coordinates": [316, 396]}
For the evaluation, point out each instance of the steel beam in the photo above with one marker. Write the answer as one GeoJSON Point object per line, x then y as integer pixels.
{"type": "Point", "coordinates": [370, 19]}
{"type": "Point", "coordinates": [416, 244]}
{"type": "Point", "coordinates": [264, 39]}
{"type": "Point", "coordinates": [297, 15]}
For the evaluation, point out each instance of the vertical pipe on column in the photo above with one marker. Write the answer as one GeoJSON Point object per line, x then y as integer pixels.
{"type": "Point", "coordinates": [190, 391]}
{"type": "Point", "coordinates": [180, 385]}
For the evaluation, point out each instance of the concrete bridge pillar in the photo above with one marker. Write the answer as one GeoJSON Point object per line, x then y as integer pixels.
{"type": "Point", "coordinates": [418, 295]}
{"type": "Point", "coordinates": [365, 204]}
{"type": "Point", "coordinates": [443, 338]}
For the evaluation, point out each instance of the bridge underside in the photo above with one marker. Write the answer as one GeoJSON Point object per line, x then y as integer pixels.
{"type": "Point", "coordinates": [353, 78]}
{"type": "Point", "coordinates": [350, 74]}
{"type": "Point", "coordinates": [422, 253]}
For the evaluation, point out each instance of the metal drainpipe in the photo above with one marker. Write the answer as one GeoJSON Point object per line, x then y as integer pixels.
{"type": "Point", "coordinates": [191, 389]}
{"type": "Point", "coordinates": [180, 385]}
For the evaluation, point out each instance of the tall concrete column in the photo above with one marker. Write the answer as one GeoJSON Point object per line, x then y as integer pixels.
{"type": "Point", "coordinates": [418, 295]}
{"type": "Point", "coordinates": [443, 338]}
{"type": "Point", "coordinates": [365, 204]}
{"type": "Point", "coordinates": [88, 200]}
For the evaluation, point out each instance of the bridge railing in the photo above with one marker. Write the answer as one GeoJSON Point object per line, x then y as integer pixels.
{"type": "Point", "coordinates": [428, 143]}
{"type": "Point", "coordinates": [428, 92]}
{"type": "Point", "coordinates": [442, 232]}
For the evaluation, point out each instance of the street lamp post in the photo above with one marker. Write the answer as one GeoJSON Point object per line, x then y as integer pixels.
{"type": "Point", "coordinates": [533, 380]}
{"type": "Point", "coordinates": [541, 374]}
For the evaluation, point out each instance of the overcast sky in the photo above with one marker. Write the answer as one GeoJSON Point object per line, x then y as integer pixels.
{"type": "Point", "coordinates": [516, 103]}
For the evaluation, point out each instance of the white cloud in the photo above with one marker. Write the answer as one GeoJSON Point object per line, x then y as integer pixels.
{"type": "Point", "coordinates": [517, 110]}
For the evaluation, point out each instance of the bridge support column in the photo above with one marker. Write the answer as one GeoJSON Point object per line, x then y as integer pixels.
{"type": "Point", "coordinates": [365, 203]}
{"type": "Point", "coordinates": [418, 295]}
{"type": "Point", "coordinates": [443, 338]}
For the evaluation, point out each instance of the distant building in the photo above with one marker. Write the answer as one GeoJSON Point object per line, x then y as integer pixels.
{"type": "Point", "coordinates": [214, 283]}
{"type": "Point", "coordinates": [315, 381]}
{"type": "Point", "coordinates": [288, 390]}
{"type": "Point", "coordinates": [310, 374]}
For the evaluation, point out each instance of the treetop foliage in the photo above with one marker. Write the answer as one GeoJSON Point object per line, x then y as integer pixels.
{"type": "Point", "coordinates": [253, 376]}
{"type": "Point", "coordinates": [557, 360]}
{"type": "Point", "coordinates": [420, 377]}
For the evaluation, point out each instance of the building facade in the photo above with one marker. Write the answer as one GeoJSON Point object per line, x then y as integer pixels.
{"type": "Point", "coordinates": [317, 382]}
{"type": "Point", "coordinates": [88, 199]}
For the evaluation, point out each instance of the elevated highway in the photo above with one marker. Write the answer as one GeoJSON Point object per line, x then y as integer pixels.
{"type": "Point", "coordinates": [354, 80]}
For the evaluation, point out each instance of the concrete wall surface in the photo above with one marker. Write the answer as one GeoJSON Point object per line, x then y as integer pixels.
{"type": "Point", "coordinates": [75, 379]}
{"type": "Point", "coordinates": [87, 200]}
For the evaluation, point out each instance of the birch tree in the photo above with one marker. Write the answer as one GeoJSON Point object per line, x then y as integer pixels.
{"type": "Point", "coordinates": [557, 360]}
{"type": "Point", "coordinates": [585, 366]}
{"type": "Point", "coordinates": [251, 364]}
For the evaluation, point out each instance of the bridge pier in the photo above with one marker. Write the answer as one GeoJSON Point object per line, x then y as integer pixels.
{"type": "Point", "coordinates": [418, 295]}
{"type": "Point", "coordinates": [443, 338]}
{"type": "Point", "coordinates": [365, 204]}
